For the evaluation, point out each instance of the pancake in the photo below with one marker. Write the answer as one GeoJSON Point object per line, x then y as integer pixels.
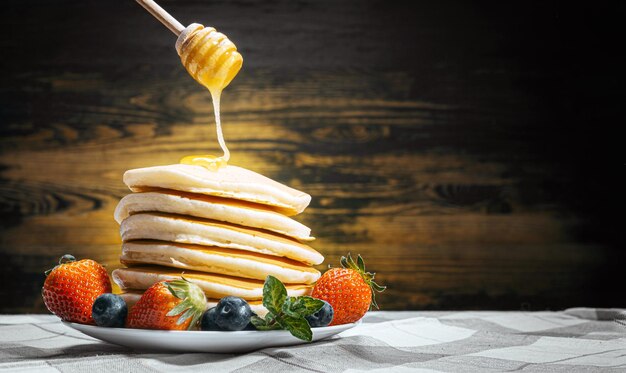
{"type": "Point", "coordinates": [132, 297]}
{"type": "Point", "coordinates": [208, 207]}
{"type": "Point", "coordinates": [236, 263]}
{"type": "Point", "coordinates": [228, 181]}
{"type": "Point", "coordinates": [181, 229]}
{"type": "Point", "coordinates": [213, 285]}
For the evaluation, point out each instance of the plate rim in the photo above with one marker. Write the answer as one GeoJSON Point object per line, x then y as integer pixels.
{"type": "Point", "coordinates": [234, 342]}
{"type": "Point", "coordinates": [76, 326]}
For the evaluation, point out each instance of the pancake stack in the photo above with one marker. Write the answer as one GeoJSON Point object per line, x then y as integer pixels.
{"type": "Point", "coordinates": [224, 229]}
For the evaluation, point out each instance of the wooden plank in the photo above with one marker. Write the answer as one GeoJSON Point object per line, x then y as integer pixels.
{"type": "Point", "coordinates": [447, 143]}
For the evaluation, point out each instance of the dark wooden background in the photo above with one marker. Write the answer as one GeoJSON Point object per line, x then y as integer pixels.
{"type": "Point", "coordinates": [468, 150]}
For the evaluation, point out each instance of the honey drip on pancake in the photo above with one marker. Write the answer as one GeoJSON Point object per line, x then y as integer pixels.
{"type": "Point", "coordinates": [213, 61]}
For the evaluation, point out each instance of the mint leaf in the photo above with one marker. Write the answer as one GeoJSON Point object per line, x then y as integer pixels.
{"type": "Point", "coordinates": [274, 294]}
{"type": "Point", "coordinates": [264, 324]}
{"type": "Point", "coordinates": [257, 321]}
{"type": "Point", "coordinates": [267, 323]}
{"type": "Point", "coordinates": [286, 312]}
{"type": "Point", "coordinates": [301, 306]}
{"type": "Point", "coordinates": [297, 326]}
{"type": "Point", "coordinates": [288, 307]}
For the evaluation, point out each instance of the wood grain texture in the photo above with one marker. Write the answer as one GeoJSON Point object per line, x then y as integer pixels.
{"type": "Point", "coordinates": [445, 143]}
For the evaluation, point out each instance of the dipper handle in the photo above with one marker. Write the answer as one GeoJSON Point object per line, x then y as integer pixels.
{"type": "Point", "coordinates": [164, 17]}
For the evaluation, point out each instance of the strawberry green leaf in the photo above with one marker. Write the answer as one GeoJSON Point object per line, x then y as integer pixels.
{"type": "Point", "coordinates": [189, 313]}
{"type": "Point", "coordinates": [344, 261]}
{"type": "Point", "coordinates": [176, 290]}
{"type": "Point", "coordinates": [180, 308]}
{"type": "Point", "coordinates": [67, 258]}
{"type": "Point", "coordinates": [377, 287]}
{"type": "Point", "coordinates": [195, 320]}
{"type": "Point", "coordinates": [360, 263]}
{"type": "Point", "coordinates": [193, 301]}
{"type": "Point", "coordinates": [351, 263]}
{"type": "Point", "coordinates": [274, 294]}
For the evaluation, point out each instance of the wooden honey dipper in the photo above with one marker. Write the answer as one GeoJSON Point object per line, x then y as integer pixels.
{"type": "Point", "coordinates": [211, 59]}
{"type": "Point", "coordinates": [208, 55]}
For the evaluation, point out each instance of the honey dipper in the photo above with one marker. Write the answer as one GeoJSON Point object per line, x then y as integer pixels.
{"type": "Point", "coordinates": [207, 55]}
{"type": "Point", "coordinates": [210, 58]}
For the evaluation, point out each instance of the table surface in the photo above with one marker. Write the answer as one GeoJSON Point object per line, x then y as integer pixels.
{"type": "Point", "coordinates": [577, 339]}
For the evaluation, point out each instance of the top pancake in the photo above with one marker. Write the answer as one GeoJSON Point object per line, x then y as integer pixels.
{"type": "Point", "coordinates": [209, 207]}
{"type": "Point", "coordinates": [228, 181]}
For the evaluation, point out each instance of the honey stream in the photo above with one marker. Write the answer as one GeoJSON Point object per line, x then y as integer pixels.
{"type": "Point", "coordinates": [213, 61]}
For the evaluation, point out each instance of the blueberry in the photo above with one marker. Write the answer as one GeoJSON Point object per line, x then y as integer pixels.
{"type": "Point", "coordinates": [109, 310]}
{"type": "Point", "coordinates": [250, 325]}
{"type": "Point", "coordinates": [323, 317]}
{"type": "Point", "coordinates": [232, 313]}
{"type": "Point", "coordinates": [207, 322]}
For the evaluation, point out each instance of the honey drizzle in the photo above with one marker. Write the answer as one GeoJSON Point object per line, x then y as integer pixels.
{"type": "Point", "coordinates": [213, 61]}
{"type": "Point", "coordinates": [218, 124]}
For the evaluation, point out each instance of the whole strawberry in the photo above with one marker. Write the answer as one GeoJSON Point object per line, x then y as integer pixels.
{"type": "Point", "coordinates": [168, 305]}
{"type": "Point", "coordinates": [349, 290]}
{"type": "Point", "coordinates": [71, 288]}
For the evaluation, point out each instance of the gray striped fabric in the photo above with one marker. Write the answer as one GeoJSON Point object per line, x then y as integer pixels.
{"type": "Point", "coordinates": [575, 340]}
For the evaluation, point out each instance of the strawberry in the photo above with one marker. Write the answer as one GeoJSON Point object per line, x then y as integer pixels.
{"type": "Point", "coordinates": [349, 290]}
{"type": "Point", "coordinates": [160, 305]}
{"type": "Point", "coordinates": [71, 288]}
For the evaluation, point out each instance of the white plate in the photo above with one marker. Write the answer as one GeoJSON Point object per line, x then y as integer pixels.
{"type": "Point", "coordinates": [201, 341]}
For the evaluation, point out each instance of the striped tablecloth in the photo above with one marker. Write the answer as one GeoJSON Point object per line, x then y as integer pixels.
{"type": "Point", "coordinates": [578, 339]}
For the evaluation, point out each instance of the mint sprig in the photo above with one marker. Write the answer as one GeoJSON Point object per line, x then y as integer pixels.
{"type": "Point", "coordinates": [286, 312]}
